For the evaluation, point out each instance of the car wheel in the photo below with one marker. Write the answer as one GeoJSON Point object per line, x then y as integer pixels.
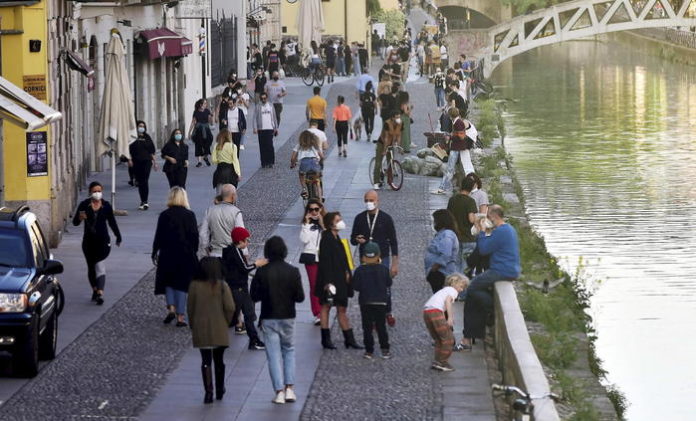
{"type": "Point", "coordinates": [49, 339]}
{"type": "Point", "coordinates": [25, 359]}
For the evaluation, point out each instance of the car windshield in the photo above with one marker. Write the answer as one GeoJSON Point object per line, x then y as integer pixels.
{"type": "Point", "coordinates": [13, 251]}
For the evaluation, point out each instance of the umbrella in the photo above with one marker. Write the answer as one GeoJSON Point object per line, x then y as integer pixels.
{"type": "Point", "coordinates": [117, 127]}
{"type": "Point", "coordinates": [310, 23]}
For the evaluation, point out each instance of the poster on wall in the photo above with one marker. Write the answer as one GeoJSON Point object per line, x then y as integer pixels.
{"type": "Point", "coordinates": [37, 154]}
{"type": "Point", "coordinates": [194, 9]}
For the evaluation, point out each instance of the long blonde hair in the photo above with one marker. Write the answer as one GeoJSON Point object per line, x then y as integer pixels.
{"type": "Point", "coordinates": [223, 137]}
{"type": "Point", "coordinates": [307, 140]}
{"type": "Point", "coordinates": [178, 197]}
{"type": "Point", "coordinates": [384, 87]}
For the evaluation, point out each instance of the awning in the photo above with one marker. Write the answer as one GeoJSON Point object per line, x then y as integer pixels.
{"type": "Point", "coordinates": [76, 63]}
{"type": "Point", "coordinates": [23, 109]}
{"type": "Point", "coordinates": [163, 42]}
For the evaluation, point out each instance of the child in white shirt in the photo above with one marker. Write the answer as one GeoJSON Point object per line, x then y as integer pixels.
{"type": "Point", "coordinates": [439, 319]}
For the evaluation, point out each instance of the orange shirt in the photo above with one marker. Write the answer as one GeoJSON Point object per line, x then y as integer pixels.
{"type": "Point", "coordinates": [342, 113]}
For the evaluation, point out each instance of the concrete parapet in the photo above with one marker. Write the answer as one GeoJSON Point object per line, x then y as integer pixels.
{"type": "Point", "coordinates": [518, 361]}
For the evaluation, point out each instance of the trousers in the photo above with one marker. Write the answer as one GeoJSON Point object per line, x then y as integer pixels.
{"type": "Point", "coordinates": [374, 315]}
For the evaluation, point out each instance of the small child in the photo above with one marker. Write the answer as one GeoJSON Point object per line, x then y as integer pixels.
{"type": "Point", "coordinates": [237, 271]}
{"type": "Point", "coordinates": [439, 319]}
{"type": "Point", "coordinates": [371, 280]}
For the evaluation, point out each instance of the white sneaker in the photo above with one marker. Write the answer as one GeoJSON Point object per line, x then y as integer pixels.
{"type": "Point", "coordinates": [376, 186]}
{"type": "Point", "coordinates": [241, 147]}
{"type": "Point", "coordinates": [290, 395]}
{"type": "Point", "coordinates": [317, 321]}
{"type": "Point", "coordinates": [438, 191]}
{"type": "Point", "coordinates": [279, 398]}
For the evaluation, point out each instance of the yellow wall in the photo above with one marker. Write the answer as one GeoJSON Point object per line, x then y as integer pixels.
{"type": "Point", "coordinates": [334, 19]}
{"type": "Point", "coordinates": [390, 4]}
{"type": "Point", "coordinates": [17, 61]}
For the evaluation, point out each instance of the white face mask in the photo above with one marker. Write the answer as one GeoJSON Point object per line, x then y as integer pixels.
{"type": "Point", "coordinates": [97, 195]}
{"type": "Point", "coordinates": [397, 121]}
{"type": "Point", "coordinates": [370, 206]}
{"type": "Point", "coordinates": [141, 129]}
{"type": "Point", "coordinates": [341, 225]}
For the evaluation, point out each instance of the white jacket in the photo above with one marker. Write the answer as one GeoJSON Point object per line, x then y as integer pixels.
{"type": "Point", "coordinates": [310, 239]}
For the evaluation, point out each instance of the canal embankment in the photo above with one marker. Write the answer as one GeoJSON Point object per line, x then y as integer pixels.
{"type": "Point", "coordinates": [554, 303]}
{"type": "Point", "coordinates": [671, 44]}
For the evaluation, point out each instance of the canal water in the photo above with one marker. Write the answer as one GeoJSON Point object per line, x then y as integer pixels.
{"type": "Point", "coordinates": [603, 139]}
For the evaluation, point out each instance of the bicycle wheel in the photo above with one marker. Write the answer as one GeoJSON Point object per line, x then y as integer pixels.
{"type": "Point", "coordinates": [307, 77]}
{"type": "Point", "coordinates": [319, 76]}
{"type": "Point", "coordinates": [372, 171]}
{"type": "Point", "coordinates": [395, 175]}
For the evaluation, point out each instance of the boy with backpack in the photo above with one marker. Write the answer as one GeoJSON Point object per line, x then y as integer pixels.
{"type": "Point", "coordinates": [371, 280]}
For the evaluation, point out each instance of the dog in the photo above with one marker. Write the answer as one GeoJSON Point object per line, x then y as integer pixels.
{"type": "Point", "coordinates": [357, 128]}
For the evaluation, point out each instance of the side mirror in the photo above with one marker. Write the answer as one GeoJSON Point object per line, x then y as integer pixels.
{"type": "Point", "coordinates": [52, 267]}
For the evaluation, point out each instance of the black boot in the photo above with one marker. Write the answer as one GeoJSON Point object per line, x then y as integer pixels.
{"type": "Point", "coordinates": [207, 372]}
{"type": "Point", "coordinates": [350, 340]}
{"type": "Point", "coordinates": [219, 381]}
{"type": "Point", "coordinates": [326, 339]}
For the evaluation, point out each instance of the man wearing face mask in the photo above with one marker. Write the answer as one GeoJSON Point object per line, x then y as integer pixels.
{"type": "Point", "coordinates": [377, 226]}
{"type": "Point", "coordinates": [276, 91]}
{"type": "Point", "coordinates": [391, 135]}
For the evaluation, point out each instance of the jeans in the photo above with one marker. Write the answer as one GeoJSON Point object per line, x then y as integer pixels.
{"type": "Point", "coordinates": [278, 107]}
{"type": "Point", "coordinates": [374, 315]}
{"type": "Point", "coordinates": [177, 299]}
{"type": "Point", "coordinates": [479, 303]}
{"type": "Point", "coordinates": [465, 249]}
{"type": "Point", "coordinates": [446, 183]}
{"type": "Point", "coordinates": [280, 351]}
{"type": "Point", "coordinates": [340, 66]}
{"type": "Point", "coordinates": [356, 65]}
{"type": "Point", "coordinates": [266, 149]}
{"type": "Point", "coordinates": [440, 97]}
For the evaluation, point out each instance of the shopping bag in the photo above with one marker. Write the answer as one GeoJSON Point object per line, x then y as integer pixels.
{"type": "Point", "coordinates": [349, 256]}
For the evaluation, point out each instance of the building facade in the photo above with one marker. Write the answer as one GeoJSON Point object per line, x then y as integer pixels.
{"type": "Point", "coordinates": [176, 53]}
{"type": "Point", "coordinates": [345, 19]}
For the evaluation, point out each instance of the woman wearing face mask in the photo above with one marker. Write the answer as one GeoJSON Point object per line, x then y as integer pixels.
{"type": "Point", "coordinates": [199, 131]}
{"type": "Point", "coordinates": [96, 243]}
{"type": "Point", "coordinates": [175, 154]}
{"type": "Point", "coordinates": [310, 236]}
{"type": "Point", "coordinates": [333, 281]}
{"type": "Point", "coordinates": [142, 152]}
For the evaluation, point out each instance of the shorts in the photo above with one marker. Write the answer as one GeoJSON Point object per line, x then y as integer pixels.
{"type": "Point", "coordinates": [310, 165]}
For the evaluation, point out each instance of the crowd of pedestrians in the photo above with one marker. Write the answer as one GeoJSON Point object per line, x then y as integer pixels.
{"type": "Point", "coordinates": [203, 269]}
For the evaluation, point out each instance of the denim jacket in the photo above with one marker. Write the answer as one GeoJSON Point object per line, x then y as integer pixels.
{"type": "Point", "coordinates": [443, 250]}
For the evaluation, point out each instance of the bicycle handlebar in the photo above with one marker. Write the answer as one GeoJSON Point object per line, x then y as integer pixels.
{"type": "Point", "coordinates": [508, 390]}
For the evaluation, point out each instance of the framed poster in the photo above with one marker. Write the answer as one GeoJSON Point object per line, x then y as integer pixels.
{"type": "Point", "coordinates": [37, 154]}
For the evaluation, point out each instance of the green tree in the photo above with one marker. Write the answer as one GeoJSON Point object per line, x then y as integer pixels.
{"type": "Point", "coordinates": [394, 20]}
{"type": "Point", "coordinates": [372, 7]}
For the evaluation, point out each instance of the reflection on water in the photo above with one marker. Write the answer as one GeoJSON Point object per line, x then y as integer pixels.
{"type": "Point", "coordinates": [603, 142]}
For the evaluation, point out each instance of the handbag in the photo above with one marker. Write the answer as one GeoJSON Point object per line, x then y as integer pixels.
{"type": "Point", "coordinates": [308, 258]}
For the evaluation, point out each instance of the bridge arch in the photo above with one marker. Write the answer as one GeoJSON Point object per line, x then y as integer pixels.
{"type": "Point", "coordinates": [578, 19]}
{"type": "Point", "coordinates": [486, 11]}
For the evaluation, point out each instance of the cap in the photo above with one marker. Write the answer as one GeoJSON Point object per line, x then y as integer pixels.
{"type": "Point", "coordinates": [240, 234]}
{"type": "Point", "coordinates": [371, 249]}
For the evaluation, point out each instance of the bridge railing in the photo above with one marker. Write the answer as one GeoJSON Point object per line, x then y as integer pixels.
{"type": "Point", "coordinates": [517, 358]}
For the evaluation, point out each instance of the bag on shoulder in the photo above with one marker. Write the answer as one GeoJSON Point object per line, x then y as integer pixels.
{"type": "Point", "coordinates": [308, 258]}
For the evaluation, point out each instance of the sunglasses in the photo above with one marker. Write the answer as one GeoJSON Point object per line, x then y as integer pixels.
{"type": "Point", "coordinates": [314, 209]}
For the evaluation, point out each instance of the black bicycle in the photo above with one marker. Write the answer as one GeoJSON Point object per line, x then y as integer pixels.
{"type": "Point", "coordinates": [522, 406]}
{"type": "Point", "coordinates": [313, 74]}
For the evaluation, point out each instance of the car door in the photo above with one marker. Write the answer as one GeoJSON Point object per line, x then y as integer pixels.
{"type": "Point", "coordinates": [42, 283]}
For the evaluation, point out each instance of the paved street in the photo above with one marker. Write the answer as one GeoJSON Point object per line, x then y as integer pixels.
{"type": "Point", "coordinates": [119, 362]}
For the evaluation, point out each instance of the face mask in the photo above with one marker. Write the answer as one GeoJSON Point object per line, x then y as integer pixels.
{"type": "Point", "coordinates": [397, 121]}
{"type": "Point", "coordinates": [97, 195]}
{"type": "Point", "coordinates": [141, 129]}
{"type": "Point", "coordinates": [178, 137]}
{"type": "Point", "coordinates": [340, 225]}
{"type": "Point", "coordinates": [370, 206]}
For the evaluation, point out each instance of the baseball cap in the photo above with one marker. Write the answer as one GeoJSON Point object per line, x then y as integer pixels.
{"type": "Point", "coordinates": [371, 250]}
{"type": "Point", "coordinates": [240, 234]}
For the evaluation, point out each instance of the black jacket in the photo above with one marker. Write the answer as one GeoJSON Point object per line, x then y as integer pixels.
{"type": "Point", "coordinates": [278, 286]}
{"type": "Point", "coordinates": [96, 231]}
{"type": "Point", "coordinates": [179, 152]}
{"type": "Point", "coordinates": [142, 148]}
{"type": "Point", "coordinates": [175, 244]}
{"type": "Point", "coordinates": [383, 233]}
{"type": "Point", "coordinates": [372, 281]}
{"type": "Point", "coordinates": [236, 267]}
{"type": "Point", "coordinates": [333, 266]}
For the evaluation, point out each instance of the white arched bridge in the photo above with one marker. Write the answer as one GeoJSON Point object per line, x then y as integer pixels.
{"type": "Point", "coordinates": [578, 19]}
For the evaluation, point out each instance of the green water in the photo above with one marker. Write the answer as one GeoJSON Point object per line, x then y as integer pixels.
{"type": "Point", "coordinates": [603, 141]}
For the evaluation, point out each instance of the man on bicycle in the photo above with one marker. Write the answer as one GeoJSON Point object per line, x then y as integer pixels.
{"type": "Point", "coordinates": [390, 136]}
{"type": "Point", "coordinates": [308, 152]}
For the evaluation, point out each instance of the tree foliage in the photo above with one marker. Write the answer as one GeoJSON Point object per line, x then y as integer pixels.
{"type": "Point", "coordinates": [394, 20]}
{"type": "Point", "coordinates": [372, 7]}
